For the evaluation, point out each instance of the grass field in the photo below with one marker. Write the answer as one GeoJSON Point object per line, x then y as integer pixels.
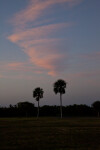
{"type": "Point", "coordinates": [50, 133]}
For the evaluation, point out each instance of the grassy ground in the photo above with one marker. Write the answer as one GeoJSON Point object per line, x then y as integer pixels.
{"type": "Point", "coordinates": [50, 133]}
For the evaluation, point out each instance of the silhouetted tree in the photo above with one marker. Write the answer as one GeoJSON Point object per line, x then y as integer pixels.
{"type": "Point", "coordinates": [96, 106]}
{"type": "Point", "coordinates": [38, 93]}
{"type": "Point", "coordinates": [25, 107]}
{"type": "Point", "coordinates": [59, 87]}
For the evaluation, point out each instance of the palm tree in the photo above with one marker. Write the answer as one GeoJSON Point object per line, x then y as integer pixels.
{"type": "Point", "coordinates": [38, 93]}
{"type": "Point", "coordinates": [59, 87]}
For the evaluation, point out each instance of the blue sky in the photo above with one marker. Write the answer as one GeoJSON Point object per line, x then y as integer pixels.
{"type": "Point", "coordinates": [44, 40]}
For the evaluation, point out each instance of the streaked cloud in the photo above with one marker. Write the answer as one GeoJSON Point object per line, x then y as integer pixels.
{"type": "Point", "coordinates": [36, 9]}
{"type": "Point", "coordinates": [14, 65]}
{"type": "Point", "coordinates": [48, 61]}
{"type": "Point", "coordinates": [39, 47]}
{"type": "Point", "coordinates": [40, 43]}
{"type": "Point", "coordinates": [38, 32]}
{"type": "Point", "coordinates": [18, 70]}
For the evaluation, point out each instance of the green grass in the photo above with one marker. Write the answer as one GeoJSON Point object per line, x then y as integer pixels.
{"type": "Point", "coordinates": [50, 133]}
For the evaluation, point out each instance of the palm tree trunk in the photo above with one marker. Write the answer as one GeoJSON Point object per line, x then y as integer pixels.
{"type": "Point", "coordinates": [38, 110]}
{"type": "Point", "coordinates": [61, 104]}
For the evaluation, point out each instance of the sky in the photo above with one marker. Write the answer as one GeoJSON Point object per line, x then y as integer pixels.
{"type": "Point", "coordinates": [42, 41]}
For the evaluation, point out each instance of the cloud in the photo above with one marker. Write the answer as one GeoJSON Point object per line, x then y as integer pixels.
{"type": "Point", "coordinates": [19, 66]}
{"type": "Point", "coordinates": [48, 61]}
{"type": "Point", "coordinates": [14, 66]}
{"type": "Point", "coordinates": [38, 32]}
{"type": "Point", "coordinates": [35, 43]}
{"type": "Point", "coordinates": [36, 9]}
{"type": "Point", "coordinates": [40, 43]}
{"type": "Point", "coordinates": [19, 70]}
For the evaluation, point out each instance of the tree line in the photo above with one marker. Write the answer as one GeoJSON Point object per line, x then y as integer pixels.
{"type": "Point", "coordinates": [27, 109]}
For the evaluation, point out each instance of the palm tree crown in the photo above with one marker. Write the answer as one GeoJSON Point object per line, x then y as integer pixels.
{"type": "Point", "coordinates": [38, 93]}
{"type": "Point", "coordinates": [59, 86]}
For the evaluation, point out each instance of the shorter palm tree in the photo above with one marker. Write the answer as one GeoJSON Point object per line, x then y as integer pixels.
{"type": "Point", "coordinates": [59, 87]}
{"type": "Point", "coordinates": [38, 93]}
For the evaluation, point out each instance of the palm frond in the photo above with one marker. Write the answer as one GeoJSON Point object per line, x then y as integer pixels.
{"type": "Point", "coordinates": [38, 93]}
{"type": "Point", "coordinates": [59, 86]}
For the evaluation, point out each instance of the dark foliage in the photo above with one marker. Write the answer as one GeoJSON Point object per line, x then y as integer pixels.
{"type": "Point", "coordinates": [22, 109]}
{"type": "Point", "coordinates": [38, 93]}
{"type": "Point", "coordinates": [26, 109]}
{"type": "Point", "coordinates": [96, 107]}
{"type": "Point", "coordinates": [59, 86]}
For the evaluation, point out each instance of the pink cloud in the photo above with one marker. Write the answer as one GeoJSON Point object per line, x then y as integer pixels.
{"type": "Point", "coordinates": [38, 32]}
{"type": "Point", "coordinates": [44, 60]}
{"type": "Point", "coordinates": [35, 45]}
{"type": "Point", "coordinates": [52, 73]}
{"type": "Point", "coordinates": [36, 9]}
{"type": "Point", "coordinates": [19, 68]}
{"type": "Point", "coordinates": [37, 42]}
{"type": "Point", "coordinates": [15, 64]}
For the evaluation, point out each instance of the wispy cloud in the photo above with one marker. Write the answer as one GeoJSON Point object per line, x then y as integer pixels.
{"type": "Point", "coordinates": [36, 9]}
{"type": "Point", "coordinates": [14, 66]}
{"type": "Point", "coordinates": [38, 32]}
{"type": "Point", "coordinates": [48, 61]}
{"type": "Point", "coordinates": [40, 43]}
{"type": "Point", "coordinates": [18, 70]}
{"type": "Point", "coordinates": [40, 48]}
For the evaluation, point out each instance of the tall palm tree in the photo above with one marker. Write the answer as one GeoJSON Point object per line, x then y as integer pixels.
{"type": "Point", "coordinates": [38, 93]}
{"type": "Point", "coordinates": [59, 87]}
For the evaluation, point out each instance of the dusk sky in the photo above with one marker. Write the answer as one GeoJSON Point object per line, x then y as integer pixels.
{"type": "Point", "coordinates": [42, 41]}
